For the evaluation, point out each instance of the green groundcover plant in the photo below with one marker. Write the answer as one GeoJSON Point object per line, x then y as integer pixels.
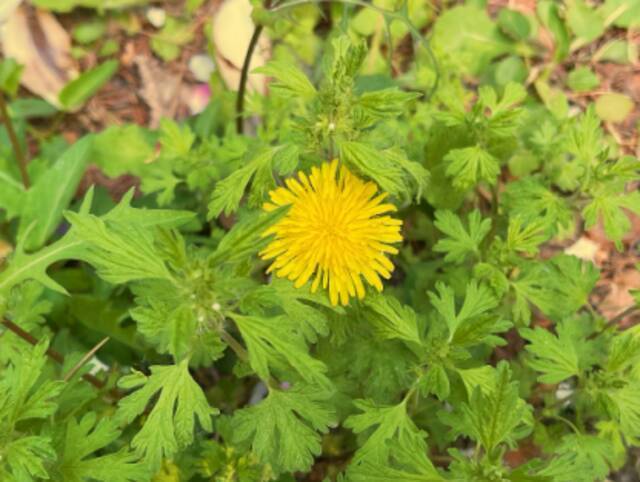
{"type": "Point", "coordinates": [324, 294]}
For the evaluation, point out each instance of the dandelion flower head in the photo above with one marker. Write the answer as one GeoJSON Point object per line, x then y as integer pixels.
{"type": "Point", "coordinates": [337, 231]}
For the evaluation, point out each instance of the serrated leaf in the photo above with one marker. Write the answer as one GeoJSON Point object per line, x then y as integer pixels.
{"type": "Point", "coordinates": [26, 457]}
{"type": "Point", "coordinates": [556, 357]}
{"type": "Point", "coordinates": [386, 103]}
{"type": "Point", "coordinates": [460, 242]}
{"type": "Point", "coordinates": [607, 205]}
{"type": "Point", "coordinates": [374, 164]}
{"type": "Point", "coordinates": [533, 202]}
{"type": "Point", "coordinates": [392, 320]}
{"type": "Point", "coordinates": [388, 426]}
{"type": "Point", "coordinates": [176, 140]}
{"type": "Point", "coordinates": [289, 80]}
{"type": "Point", "coordinates": [82, 440]}
{"type": "Point", "coordinates": [170, 425]}
{"type": "Point", "coordinates": [495, 416]}
{"type": "Point", "coordinates": [121, 252]}
{"type": "Point", "coordinates": [275, 343]}
{"type": "Point", "coordinates": [228, 193]}
{"type": "Point", "coordinates": [283, 428]}
{"type": "Point", "coordinates": [51, 194]}
{"type": "Point", "coordinates": [304, 308]}
{"type": "Point", "coordinates": [34, 266]}
{"type": "Point", "coordinates": [478, 301]}
{"type": "Point", "coordinates": [470, 165]}
{"type": "Point", "coordinates": [12, 196]}
{"type": "Point", "coordinates": [246, 237]}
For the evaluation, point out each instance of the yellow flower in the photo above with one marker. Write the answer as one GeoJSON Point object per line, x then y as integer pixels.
{"type": "Point", "coordinates": [334, 230]}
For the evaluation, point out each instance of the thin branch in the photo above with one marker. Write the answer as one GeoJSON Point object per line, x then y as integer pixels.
{"type": "Point", "coordinates": [85, 359]}
{"type": "Point", "coordinates": [51, 353]}
{"type": "Point", "coordinates": [614, 321]}
{"type": "Point", "coordinates": [17, 149]}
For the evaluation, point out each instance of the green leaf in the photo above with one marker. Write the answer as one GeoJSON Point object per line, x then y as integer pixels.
{"type": "Point", "coordinates": [290, 81]}
{"type": "Point", "coordinates": [469, 38]}
{"type": "Point", "coordinates": [26, 458]}
{"type": "Point", "coordinates": [607, 205]}
{"type": "Point", "coordinates": [171, 325]}
{"type": "Point", "coordinates": [526, 237]}
{"type": "Point", "coordinates": [481, 377]}
{"type": "Point", "coordinates": [88, 32]}
{"type": "Point", "coordinates": [275, 343]}
{"type": "Point", "coordinates": [167, 43]}
{"type": "Point", "coordinates": [228, 193]}
{"type": "Point", "coordinates": [544, 283]}
{"type": "Point", "coordinates": [34, 266]}
{"type": "Point", "coordinates": [614, 107]}
{"type": "Point", "coordinates": [23, 398]}
{"type": "Point", "coordinates": [549, 14]}
{"type": "Point", "coordinates": [176, 140]}
{"type": "Point", "coordinates": [386, 426]}
{"type": "Point", "coordinates": [170, 425]}
{"type": "Point", "coordinates": [85, 438]}
{"type": "Point", "coordinates": [12, 196]}
{"type": "Point", "coordinates": [478, 301]}
{"type": "Point", "coordinates": [460, 242]}
{"type": "Point", "coordinates": [436, 381]}
{"type": "Point", "coordinates": [589, 451]}
{"type": "Point", "coordinates": [121, 252]}
{"type": "Point", "coordinates": [301, 306]}
{"type": "Point", "coordinates": [51, 195]}
{"type": "Point", "coordinates": [582, 79]}
{"type": "Point", "coordinates": [78, 91]}
{"type": "Point", "coordinates": [514, 24]}
{"type": "Point", "coordinates": [132, 144]}
{"type": "Point", "coordinates": [556, 357]}
{"type": "Point", "coordinates": [535, 205]}
{"type": "Point", "coordinates": [246, 237]}
{"type": "Point", "coordinates": [585, 22]}
{"type": "Point", "coordinates": [283, 428]}
{"type": "Point", "coordinates": [10, 72]}
{"type": "Point", "coordinates": [373, 163]}
{"type": "Point", "coordinates": [470, 165]}
{"type": "Point", "coordinates": [392, 320]}
{"type": "Point", "coordinates": [623, 13]}
{"type": "Point", "coordinates": [626, 403]}
{"type": "Point", "coordinates": [411, 465]}
{"type": "Point", "coordinates": [385, 103]}
{"type": "Point", "coordinates": [495, 416]}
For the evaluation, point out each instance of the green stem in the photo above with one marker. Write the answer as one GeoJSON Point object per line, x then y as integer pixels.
{"type": "Point", "coordinates": [244, 74]}
{"type": "Point", "coordinates": [13, 138]}
{"type": "Point", "coordinates": [235, 345]}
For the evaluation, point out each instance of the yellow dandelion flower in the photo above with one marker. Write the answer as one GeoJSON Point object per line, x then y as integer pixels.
{"type": "Point", "coordinates": [335, 230]}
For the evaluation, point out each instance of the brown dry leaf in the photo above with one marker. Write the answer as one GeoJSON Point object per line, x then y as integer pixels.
{"type": "Point", "coordinates": [232, 32]}
{"type": "Point", "coordinates": [161, 89]}
{"type": "Point", "coordinates": [35, 39]}
{"type": "Point", "coordinates": [584, 248]}
{"type": "Point", "coordinates": [618, 297]}
{"type": "Point", "coordinates": [6, 8]}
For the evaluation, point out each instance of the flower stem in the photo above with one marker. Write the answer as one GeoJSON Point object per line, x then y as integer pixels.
{"type": "Point", "coordinates": [244, 75]}
{"type": "Point", "coordinates": [13, 138]}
